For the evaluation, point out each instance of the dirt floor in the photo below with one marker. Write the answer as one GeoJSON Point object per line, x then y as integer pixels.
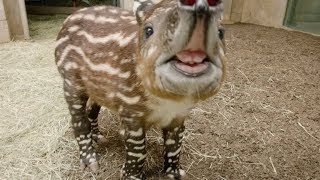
{"type": "Point", "coordinates": [263, 124]}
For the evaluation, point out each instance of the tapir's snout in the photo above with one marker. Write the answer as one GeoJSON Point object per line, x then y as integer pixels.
{"type": "Point", "coordinates": [199, 6]}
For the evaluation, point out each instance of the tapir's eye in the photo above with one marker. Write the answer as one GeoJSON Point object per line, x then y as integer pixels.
{"type": "Point", "coordinates": [192, 2]}
{"type": "Point", "coordinates": [148, 31]}
{"type": "Point", "coordinates": [221, 33]}
{"type": "Point", "coordinates": [213, 2]}
{"type": "Point", "coordinates": [188, 2]}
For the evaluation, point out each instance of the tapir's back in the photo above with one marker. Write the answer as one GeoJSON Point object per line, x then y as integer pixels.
{"type": "Point", "coordinates": [97, 45]}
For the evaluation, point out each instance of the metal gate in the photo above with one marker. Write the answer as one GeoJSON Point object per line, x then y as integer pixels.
{"type": "Point", "coordinates": [303, 15]}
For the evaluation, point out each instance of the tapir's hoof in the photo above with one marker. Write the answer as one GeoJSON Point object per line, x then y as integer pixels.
{"type": "Point", "coordinates": [93, 167]}
{"type": "Point", "coordinates": [178, 174]}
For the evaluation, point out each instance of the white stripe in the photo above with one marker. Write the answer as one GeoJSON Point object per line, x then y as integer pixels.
{"type": "Point", "coordinates": [170, 141]}
{"type": "Point", "coordinates": [100, 8]}
{"type": "Point", "coordinates": [85, 141]}
{"type": "Point", "coordinates": [136, 133]}
{"type": "Point", "coordinates": [135, 142]}
{"type": "Point", "coordinates": [138, 155]}
{"type": "Point", "coordinates": [139, 147]}
{"type": "Point", "coordinates": [128, 100]}
{"type": "Point", "coordinates": [119, 37]}
{"type": "Point", "coordinates": [62, 40]}
{"type": "Point", "coordinates": [113, 11]}
{"type": "Point", "coordinates": [73, 28]}
{"type": "Point", "coordinates": [131, 18]}
{"type": "Point", "coordinates": [171, 154]}
{"type": "Point", "coordinates": [92, 17]}
{"type": "Point", "coordinates": [96, 67]}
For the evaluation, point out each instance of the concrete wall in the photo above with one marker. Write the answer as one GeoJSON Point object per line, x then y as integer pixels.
{"type": "Point", "coordinates": [264, 12]}
{"type": "Point", "coordinates": [261, 12]}
{"type": "Point", "coordinates": [126, 4]}
{"type": "Point", "coordinates": [17, 19]}
{"type": "Point", "coordinates": [13, 20]}
{"type": "Point", "coordinates": [4, 29]}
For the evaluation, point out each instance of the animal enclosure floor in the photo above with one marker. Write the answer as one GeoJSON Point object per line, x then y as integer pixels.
{"type": "Point", "coordinates": [263, 124]}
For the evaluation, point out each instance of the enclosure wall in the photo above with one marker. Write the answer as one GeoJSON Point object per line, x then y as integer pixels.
{"type": "Point", "coordinates": [4, 29]}
{"type": "Point", "coordinates": [17, 19]}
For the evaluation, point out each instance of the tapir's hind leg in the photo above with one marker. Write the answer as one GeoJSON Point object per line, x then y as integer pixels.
{"type": "Point", "coordinates": [93, 110]}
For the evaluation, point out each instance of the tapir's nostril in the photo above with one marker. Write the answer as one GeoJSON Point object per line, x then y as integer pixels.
{"type": "Point", "coordinates": [202, 8]}
{"type": "Point", "coordinates": [199, 6]}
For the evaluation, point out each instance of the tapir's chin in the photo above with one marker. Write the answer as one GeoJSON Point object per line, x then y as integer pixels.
{"type": "Point", "coordinates": [188, 77]}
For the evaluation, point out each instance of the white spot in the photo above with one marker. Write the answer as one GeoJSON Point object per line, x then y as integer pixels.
{"type": "Point", "coordinates": [138, 155]}
{"type": "Point", "coordinates": [141, 13]}
{"type": "Point", "coordinates": [136, 133]}
{"type": "Point", "coordinates": [92, 160]}
{"type": "Point", "coordinates": [111, 95]}
{"type": "Point", "coordinates": [84, 154]}
{"type": "Point", "coordinates": [82, 136]}
{"type": "Point", "coordinates": [69, 83]}
{"type": "Point", "coordinates": [169, 169]}
{"type": "Point", "coordinates": [67, 93]}
{"type": "Point", "coordinates": [128, 119]}
{"type": "Point", "coordinates": [151, 50]}
{"type": "Point", "coordinates": [125, 61]}
{"type": "Point", "coordinates": [170, 142]}
{"type": "Point", "coordinates": [85, 141]}
{"type": "Point", "coordinates": [84, 147]}
{"type": "Point", "coordinates": [115, 58]}
{"type": "Point", "coordinates": [110, 53]}
{"type": "Point", "coordinates": [77, 106]}
{"type": "Point", "coordinates": [88, 156]}
{"type": "Point", "coordinates": [96, 67]}
{"type": "Point", "coordinates": [171, 154]}
{"type": "Point", "coordinates": [70, 65]}
{"type": "Point", "coordinates": [182, 173]}
{"type": "Point", "coordinates": [122, 132]}
{"type": "Point", "coordinates": [120, 109]}
{"type": "Point", "coordinates": [170, 160]}
{"type": "Point", "coordinates": [135, 142]}
{"type": "Point", "coordinates": [133, 22]}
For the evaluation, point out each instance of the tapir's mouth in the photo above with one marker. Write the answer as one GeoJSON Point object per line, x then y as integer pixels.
{"type": "Point", "coordinates": [190, 63]}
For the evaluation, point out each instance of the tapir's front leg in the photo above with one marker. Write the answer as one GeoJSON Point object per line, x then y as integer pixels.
{"type": "Point", "coordinates": [173, 136]}
{"type": "Point", "coordinates": [134, 138]}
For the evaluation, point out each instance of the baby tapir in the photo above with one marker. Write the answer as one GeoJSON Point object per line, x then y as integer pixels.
{"type": "Point", "coordinates": [149, 66]}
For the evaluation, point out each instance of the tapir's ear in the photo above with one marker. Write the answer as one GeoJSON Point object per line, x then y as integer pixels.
{"type": "Point", "coordinates": [140, 7]}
